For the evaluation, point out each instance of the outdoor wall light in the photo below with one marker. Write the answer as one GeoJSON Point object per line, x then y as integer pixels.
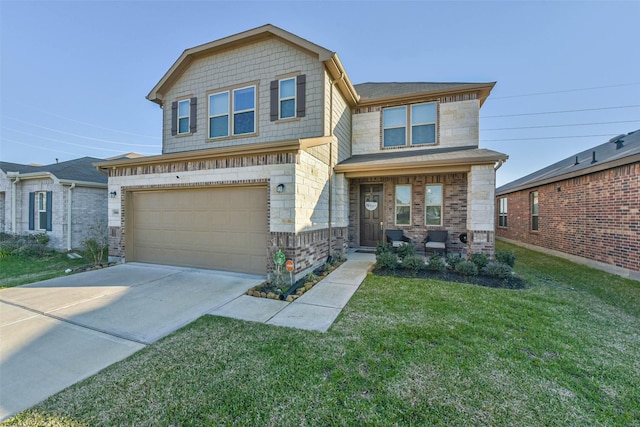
{"type": "Point", "coordinates": [280, 188]}
{"type": "Point", "coordinates": [113, 194]}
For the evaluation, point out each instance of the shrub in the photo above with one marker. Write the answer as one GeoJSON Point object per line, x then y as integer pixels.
{"type": "Point", "coordinates": [97, 241]}
{"type": "Point", "coordinates": [453, 260]}
{"type": "Point", "coordinates": [387, 261]}
{"type": "Point", "coordinates": [383, 247]}
{"type": "Point", "coordinates": [467, 268]}
{"type": "Point", "coordinates": [480, 260]}
{"type": "Point", "coordinates": [413, 263]}
{"type": "Point", "coordinates": [499, 270]}
{"type": "Point", "coordinates": [407, 250]}
{"type": "Point", "coordinates": [506, 257]}
{"type": "Point", "coordinates": [338, 257]}
{"type": "Point", "coordinates": [436, 263]}
{"type": "Point", "coordinates": [311, 277]}
{"type": "Point", "coordinates": [25, 245]}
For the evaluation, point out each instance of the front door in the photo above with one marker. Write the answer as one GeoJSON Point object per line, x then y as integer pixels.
{"type": "Point", "coordinates": [370, 214]}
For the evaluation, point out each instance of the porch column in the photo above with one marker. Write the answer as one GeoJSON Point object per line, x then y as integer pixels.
{"type": "Point", "coordinates": [481, 210]}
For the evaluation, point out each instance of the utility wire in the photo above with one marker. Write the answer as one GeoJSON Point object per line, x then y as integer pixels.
{"type": "Point", "coordinates": [563, 111]}
{"type": "Point", "coordinates": [563, 91]}
{"type": "Point", "coordinates": [558, 126]}
{"type": "Point", "coordinates": [549, 137]}
{"type": "Point", "coordinates": [39, 147]}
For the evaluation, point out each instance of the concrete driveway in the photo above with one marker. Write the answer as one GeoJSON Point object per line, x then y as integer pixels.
{"type": "Point", "coordinates": [57, 332]}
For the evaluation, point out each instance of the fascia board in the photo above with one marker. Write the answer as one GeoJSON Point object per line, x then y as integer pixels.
{"type": "Point", "coordinates": [483, 89]}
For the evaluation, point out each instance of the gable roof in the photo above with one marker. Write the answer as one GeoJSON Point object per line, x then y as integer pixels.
{"type": "Point", "coordinates": [330, 59]}
{"type": "Point", "coordinates": [372, 93]}
{"type": "Point", "coordinates": [620, 150]}
{"type": "Point", "coordinates": [81, 170]}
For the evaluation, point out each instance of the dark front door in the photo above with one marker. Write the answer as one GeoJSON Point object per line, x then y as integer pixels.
{"type": "Point", "coordinates": [370, 214]}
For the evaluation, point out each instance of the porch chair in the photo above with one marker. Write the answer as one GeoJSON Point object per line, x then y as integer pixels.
{"type": "Point", "coordinates": [397, 238]}
{"type": "Point", "coordinates": [436, 241]}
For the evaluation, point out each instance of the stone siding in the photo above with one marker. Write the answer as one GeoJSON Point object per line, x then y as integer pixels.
{"type": "Point", "coordinates": [595, 217]}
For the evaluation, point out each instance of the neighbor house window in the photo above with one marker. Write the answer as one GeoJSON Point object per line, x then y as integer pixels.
{"type": "Point", "coordinates": [40, 210]}
{"type": "Point", "coordinates": [287, 98]}
{"type": "Point", "coordinates": [242, 119]}
{"type": "Point", "coordinates": [183, 116]}
{"type": "Point", "coordinates": [403, 205]}
{"type": "Point", "coordinates": [433, 205]}
{"type": "Point", "coordinates": [502, 212]}
{"type": "Point", "coordinates": [422, 130]}
{"type": "Point", "coordinates": [534, 211]}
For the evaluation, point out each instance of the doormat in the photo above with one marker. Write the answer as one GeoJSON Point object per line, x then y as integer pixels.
{"type": "Point", "coordinates": [365, 251]}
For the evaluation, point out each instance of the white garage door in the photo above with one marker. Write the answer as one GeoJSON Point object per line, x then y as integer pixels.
{"type": "Point", "coordinates": [221, 228]}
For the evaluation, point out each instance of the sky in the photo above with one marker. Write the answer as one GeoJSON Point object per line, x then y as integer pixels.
{"type": "Point", "coordinates": [74, 74]}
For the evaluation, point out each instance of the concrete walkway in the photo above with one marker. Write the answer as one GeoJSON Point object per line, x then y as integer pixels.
{"type": "Point", "coordinates": [316, 310]}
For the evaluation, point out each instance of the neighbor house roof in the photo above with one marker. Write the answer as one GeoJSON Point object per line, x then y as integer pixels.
{"type": "Point", "coordinates": [375, 93]}
{"type": "Point", "coordinates": [330, 59]}
{"type": "Point", "coordinates": [78, 170]}
{"type": "Point", "coordinates": [618, 151]}
{"type": "Point", "coordinates": [402, 162]}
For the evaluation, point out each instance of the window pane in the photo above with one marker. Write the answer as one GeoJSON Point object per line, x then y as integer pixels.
{"type": "Point", "coordinates": [403, 215]}
{"type": "Point", "coordinates": [243, 99]}
{"type": "Point", "coordinates": [434, 215]}
{"type": "Point", "coordinates": [42, 220]}
{"type": "Point", "coordinates": [534, 223]}
{"type": "Point", "coordinates": [394, 137]}
{"type": "Point", "coordinates": [434, 195]}
{"type": "Point", "coordinates": [394, 117]}
{"type": "Point", "coordinates": [287, 88]}
{"type": "Point", "coordinates": [423, 113]}
{"type": "Point", "coordinates": [425, 134]}
{"type": "Point", "coordinates": [183, 108]}
{"type": "Point", "coordinates": [219, 104]}
{"type": "Point", "coordinates": [243, 123]}
{"type": "Point", "coordinates": [534, 203]}
{"type": "Point", "coordinates": [403, 194]}
{"type": "Point", "coordinates": [287, 109]}
{"type": "Point", "coordinates": [218, 126]}
{"type": "Point", "coordinates": [183, 126]}
{"type": "Point", "coordinates": [41, 201]}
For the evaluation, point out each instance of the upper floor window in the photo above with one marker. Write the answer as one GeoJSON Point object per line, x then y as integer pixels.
{"type": "Point", "coordinates": [422, 119]}
{"type": "Point", "coordinates": [183, 116]}
{"type": "Point", "coordinates": [502, 212]}
{"type": "Point", "coordinates": [242, 103]}
{"type": "Point", "coordinates": [534, 210]}
{"type": "Point", "coordinates": [287, 98]}
{"type": "Point", "coordinates": [403, 205]}
{"type": "Point", "coordinates": [433, 205]}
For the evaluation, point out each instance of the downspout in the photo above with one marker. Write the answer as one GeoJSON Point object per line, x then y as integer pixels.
{"type": "Point", "coordinates": [14, 198]}
{"type": "Point", "coordinates": [330, 166]}
{"type": "Point", "coordinates": [71, 187]}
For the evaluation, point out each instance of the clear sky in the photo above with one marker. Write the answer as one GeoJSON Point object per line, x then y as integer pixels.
{"type": "Point", "coordinates": [74, 75]}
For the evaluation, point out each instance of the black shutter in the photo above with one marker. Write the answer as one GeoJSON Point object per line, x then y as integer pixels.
{"type": "Point", "coordinates": [49, 210]}
{"type": "Point", "coordinates": [300, 94]}
{"type": "Point", "coordinates": [32, 210]}
{"type": "Point", "coordinates": [174, 118]}
{"type": "Point", "coordinates": [193, 111]}
{"type": "Point", "coordinates": [274, 100]}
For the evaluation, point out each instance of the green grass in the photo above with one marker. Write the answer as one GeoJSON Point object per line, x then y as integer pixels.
{"type": "Point", "coordinates": [403, 352]}
{"type": "Point", "coordinates": [19, 270]}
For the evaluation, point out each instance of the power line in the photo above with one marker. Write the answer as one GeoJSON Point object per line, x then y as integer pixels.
{"type": "Point", "coordinates": [39, 147]}
{"type": "Point", "coordinates": [563, 111]}
{"type": "Point", "coordinates": [564, 91]}
{"type": "Point", "coordinates": [549, 137]}
{"type": "Point", "coordinates": [558, 126]}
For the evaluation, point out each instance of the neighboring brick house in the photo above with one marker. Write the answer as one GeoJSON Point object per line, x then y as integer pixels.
{"type": "Point", "coordinates": [62, 200]}
{"type": "Point", "coordinates": [267, 145]}
{"type": "Point", "coordinates": [585, 208]}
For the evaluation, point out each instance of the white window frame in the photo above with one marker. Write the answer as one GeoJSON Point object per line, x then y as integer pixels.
{"type": "Point", "coordinates": [231, 112]}
{"type": "Point", "coordinates": [281, 99]}
{"type": "Point", "coordinates": [210, 116]}
{"type": "Point", "coordinates": [534, 198]}
{"type": "Point", "coordinates": [413, 124]}
{"type": "Point", "coordinates": [40, 209]}
{"type": "Point", "coordinates": [384, 128]}
{"type": "Point", "coordinates": [441, 204]}
{"type": "Point", "coordinates": [409, 124]}
{"type": "Point", "coordinates": [187, 116]}
{"type": "Point", "coordinates": [234, 112]}
{"type": "Point", "coordinates": [502, 212]}
{"type": "Point", "coordinates": [399, 205]}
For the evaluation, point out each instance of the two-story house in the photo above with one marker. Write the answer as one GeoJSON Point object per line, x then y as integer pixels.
{"type": "Point", "coordinates": [267, 144]}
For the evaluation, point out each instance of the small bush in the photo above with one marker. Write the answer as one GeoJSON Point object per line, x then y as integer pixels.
{"type": "Point", "coordinates": [407, 250]}
{"type": "Point", "coordinates": [467, 268]}
{"type": "Point", "coordinates": [453, 260]}
{"type": "Point", "coordinates": [311, 277]}
{"type": "Point", "coordinates": [413, 263]}
{"type": "Point", "coordinates": [25, 245]}
{"type": "Point", "coordinates": [97, 241]}
{"type": "Point", "coordinates": [480, 260]}
{"type": "Point", "coordinates": [383, 247]}
{"type": "Point", "coordinates": [506, 257]}
{"type": "Point", "coordinates": [387, 261]}
{"type": "Point", "coordinates": [436, 263]}
{"type": "Point", "coordinates": [499, 270]}
{"type": "Point", "coordinates": [338, 257]}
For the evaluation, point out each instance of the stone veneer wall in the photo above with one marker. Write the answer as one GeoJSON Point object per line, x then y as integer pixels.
{"type": "Point", "coordinates": [481, 210]}
{"type": "Point", "coordinates": [454, 210]}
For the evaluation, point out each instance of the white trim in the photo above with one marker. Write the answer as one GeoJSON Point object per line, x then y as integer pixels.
{"type": "Point", "coordinates": [209, 116]}
{"type": "Point", "coordinates": [188, 117]}
{"type": "Point", "coordinates": [294, 97]}
{"type": "Point", "coordinates": [427, 205]}
{"type": "Point", "coordinates": [396, 205]}
{"type": "Point", "coordinates": [40, 209]}
{"type": "Point", "coordinates": [234, 112]}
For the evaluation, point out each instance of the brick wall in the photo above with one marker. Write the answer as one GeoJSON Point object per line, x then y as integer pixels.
{"type": "Point", "coordinates": [594, 216]}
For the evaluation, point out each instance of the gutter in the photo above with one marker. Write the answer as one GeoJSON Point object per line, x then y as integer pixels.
{"type": "Point", "coordinates": [71, 187]}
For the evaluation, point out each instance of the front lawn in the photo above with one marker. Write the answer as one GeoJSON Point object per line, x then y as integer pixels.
{"type": "Point", "coordinates": [403, 352]}
{"type": "Point", "coordinates": [18, 270]}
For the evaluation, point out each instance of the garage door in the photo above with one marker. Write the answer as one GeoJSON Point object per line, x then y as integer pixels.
{"type": "Point", "coordinates": [222, 228]}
